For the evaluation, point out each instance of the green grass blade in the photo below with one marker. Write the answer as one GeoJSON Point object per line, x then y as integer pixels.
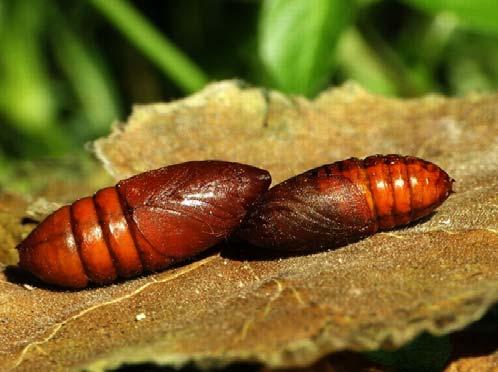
{"type": "Point", "coordinates": [88, 79]}
{"type": "Point", "coordinates": [360, 63]}
{"type": "Point", "coordinates": [26, 95]}
{"type": "Point", "coordinates": [170, 60]}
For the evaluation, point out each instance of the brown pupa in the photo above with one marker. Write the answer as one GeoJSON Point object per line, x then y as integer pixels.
{"type": "Point", "coordinates": [144, 223]}
{"type": "Point", "coordinates": [343, 202]}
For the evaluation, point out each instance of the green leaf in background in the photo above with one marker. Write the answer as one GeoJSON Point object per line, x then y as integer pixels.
{"type": "Point", "coordinates": [297, 41]}
{"type": "Point", "coordinates": [479, 15]}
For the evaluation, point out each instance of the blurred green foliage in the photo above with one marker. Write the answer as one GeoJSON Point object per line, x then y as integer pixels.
{"type": "Point", "coordinates": [69, 69]}
{"type": "Point", "coordinates": [297, 41]}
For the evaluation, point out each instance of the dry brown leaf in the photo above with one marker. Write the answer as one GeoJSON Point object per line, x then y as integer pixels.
{"type": "Point", "coordinates": [12, 208]}
{"type": "Point", "coordinates": [438, 275]}
{"type": "Point", "coordinates": [475, 364]}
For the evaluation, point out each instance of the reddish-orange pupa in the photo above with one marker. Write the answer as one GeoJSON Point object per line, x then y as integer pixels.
{"type": "Point", "coordinates": [343, 202]}
{"type": "Point", "coordinates": [144, 223]}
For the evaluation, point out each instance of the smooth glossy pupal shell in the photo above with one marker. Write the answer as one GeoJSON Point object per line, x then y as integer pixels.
{"type": "Point", "coordinates": [339, 203]}
{"type": "Point", "coordinates": [144, 223]}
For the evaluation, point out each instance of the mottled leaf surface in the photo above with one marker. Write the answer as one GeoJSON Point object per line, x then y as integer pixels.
{"type": "Point", "coordinates": [12, 208]}
{"type": "Point", "coordinates": [436, 276]}
{"type": "Point", "coordinates": [480, 363]}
